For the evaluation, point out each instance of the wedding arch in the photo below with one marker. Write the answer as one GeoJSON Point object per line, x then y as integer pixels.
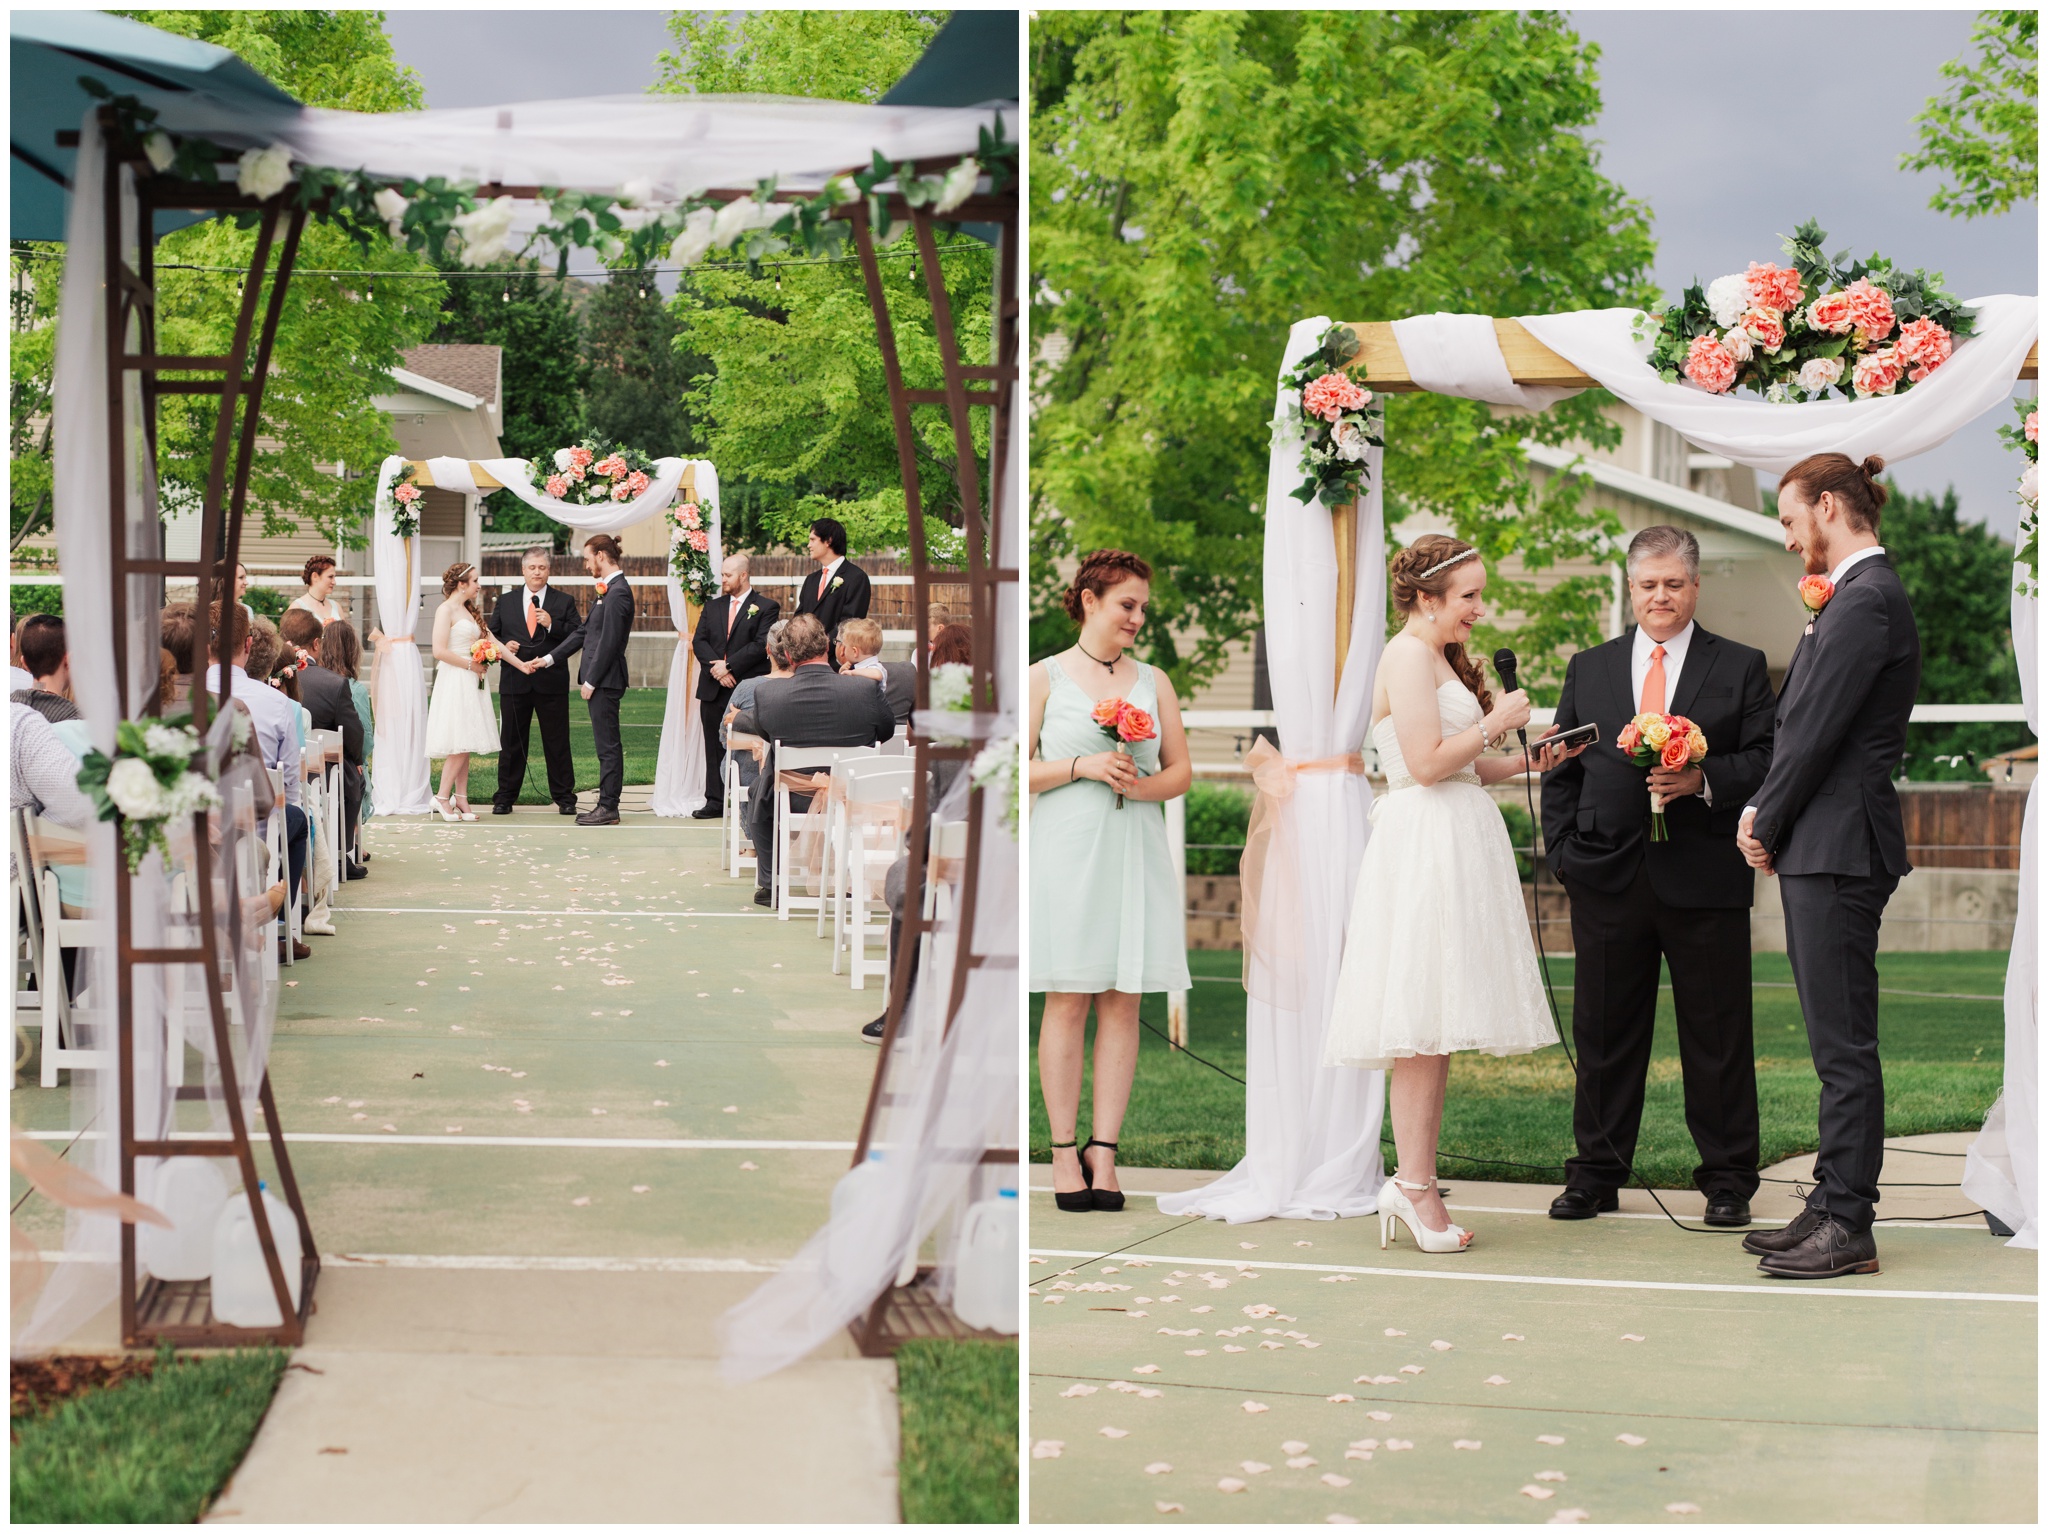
{"type": "Point", "coordinates": [1312, 1135]}
{"type": "Point", "coordinates": [619, 174]}
{"type": "Point", "coordinates": [400, 774]}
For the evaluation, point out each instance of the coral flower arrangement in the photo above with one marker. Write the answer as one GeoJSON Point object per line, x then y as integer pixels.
{"type": "Point", "coordinates": [593, 473]}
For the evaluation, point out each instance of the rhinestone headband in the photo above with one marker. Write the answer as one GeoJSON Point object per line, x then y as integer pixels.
{"type": "Point", "coordinates": [1454, 559]}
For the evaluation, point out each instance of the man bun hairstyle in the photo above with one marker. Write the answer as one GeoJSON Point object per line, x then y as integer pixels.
{"type": "Point", "coordinates": [1428, 566]}
{"type": "Point", "coordinates": [1099, 572]}
{"type": "Point", "coordinates": [606, 545]}
{"type": "Point", "coordinates": [1853, 485]}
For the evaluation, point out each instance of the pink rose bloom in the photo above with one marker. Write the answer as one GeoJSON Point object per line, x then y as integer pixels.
{"type": "Point", "coordinates": [557, 486]}
{"type": "Point", "coordinates": [1677, 752]}
{"type": "Point", "coordinates": [1765, 326]}
{"type": "Point", "coordinates": [1878, 372]}
{"type": "Point", "coordinates": [2033, 426]}
{"type": "Point", "coordinates": [1774, 287]}
{"type": "Point", "coordinates": [687, 515]}
{"type": "Point", "coordinates": [1709, 365]}
{"type": "Point", "coordinates": [1872, 308]}
{"type": "Point", "coordinates": [1333, 394]}
{"type": "Point", "coordinates": [637, 481]}
{"type": "Point", "coordinates": [1925, 345]}
{"type": "Point", "coordinates": [1832, 313]}
{"type": "Point", "coordinates": [610, 468]}
{"type": "Point", "coordinates": [579, 457]}
{"type": "Point", "coordinates": [406, 494]}
{"type": "Point", "coordinates": [699, 539]}
{"type": "Point", "coordinates": [620, 492]}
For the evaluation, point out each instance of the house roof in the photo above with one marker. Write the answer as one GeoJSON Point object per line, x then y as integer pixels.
{"type": "Point", "coordinates": [472, 369]}
{"type": "Point", "coordinates": [1659, 492]}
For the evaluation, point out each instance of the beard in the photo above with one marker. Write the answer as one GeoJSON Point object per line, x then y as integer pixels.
{"type": "Point", "coordinates": [1814, 552]}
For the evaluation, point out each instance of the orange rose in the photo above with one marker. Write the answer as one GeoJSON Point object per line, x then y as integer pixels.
{"type": "Point", "coordinates": [1677, 752]}
{"type": "Point", "coordinates": [1134, 724]}
{"type": "Point", "coordinates": [1105, 712]}
{"type": "Point", "coordinates": [1815, 591]}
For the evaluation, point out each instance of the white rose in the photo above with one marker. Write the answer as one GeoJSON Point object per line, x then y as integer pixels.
{"type": "Point", "coordinates": [484, 231]}
{"type": "Point", "coordinates": [957, 186]}
{"type": "Point", "coordinates": [169, 740]}
{"type": "Point", "coordinates": [952, 688]}
{"type": "Point", "coordinates": [695, 239]}
{"type": "Point", "coordinates": [2030, 485]}
{"type": "Point", "coordinates": [562, 459]}
{"type": "Point", "coordinates": [135, 790]}
{"type": "Point", "coordinates": [264, 172]}
{"type": "Point", "coordinates": [1818, 373]}
{"type": "Point", "coordinates": [736, 218]}
{"type": "Point", "coordinates": [391, 208]}
{"type": "Point", "coordinates": [1739, 345]}
{"type": "Point", "coordinates": [1351, 442]}
{"type": "Point", "coordinates": [160, 150]}
{"type": "Point", "coordinates": [1727, 297]}
{"type": "Point", "coordinates": [638, 190]}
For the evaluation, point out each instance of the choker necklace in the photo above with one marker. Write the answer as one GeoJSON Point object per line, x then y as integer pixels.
{"type": "Point", "coordinates": [1106, 665]}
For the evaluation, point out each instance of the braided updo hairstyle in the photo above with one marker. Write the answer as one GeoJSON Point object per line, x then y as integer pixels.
{"type": "Point", "coordinates": [1102, 571]}
{"type": "Point", "coordinates": [1406, 584]}
{"type": "Point", "coordinates": [1854, 485]}
{"type": "Point", "coordinates": [454, 576]}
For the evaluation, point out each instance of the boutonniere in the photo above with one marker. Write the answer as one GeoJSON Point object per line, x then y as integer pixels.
{"type": "Point", "coordinates": [1815, 592]}
{"type": "Point", "coordinates": [753, 611]}
{"type": "Point", "coordinates": [837, 581]}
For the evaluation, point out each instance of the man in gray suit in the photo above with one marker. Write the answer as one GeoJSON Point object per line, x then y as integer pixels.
{"type": "Point", "coordinates": [1826, 822]}
{"type": "Point", "coordinates": [810, 707]}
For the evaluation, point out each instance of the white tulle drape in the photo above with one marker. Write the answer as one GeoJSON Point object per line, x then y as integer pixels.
{"type": "Point", "coordinates": [1312, 1133]}
{"type": "Point", "coordinates": [399, 782]}
{"type": "Point", "coordinates": [679, 786]}
{"type": "Point", "coordinates": [2003, 1169]}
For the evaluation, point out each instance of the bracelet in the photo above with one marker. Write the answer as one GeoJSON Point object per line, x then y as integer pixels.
{"type": "Point", "coordinates": [1073, 767]}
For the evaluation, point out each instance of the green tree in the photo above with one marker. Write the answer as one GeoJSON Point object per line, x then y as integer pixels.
{"type": "Point", "coordinates": [529, 315]}
{"type": "Point", "coordinates": [31, 356]}
{"type": "Point", "coordinates": [1958, 575]}
{"type": "Point", "coordinates": [831, 55]}
{"type": "Point", "coordinates": [637, 378]}
{"type": "Point", "coordinates": [1982, 133]}
{"type": "Point", "coordinates": [1200, 180]}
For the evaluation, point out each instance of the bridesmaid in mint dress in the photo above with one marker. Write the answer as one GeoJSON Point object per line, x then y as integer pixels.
{"type": "Point", "coordinates": [1106, 900]}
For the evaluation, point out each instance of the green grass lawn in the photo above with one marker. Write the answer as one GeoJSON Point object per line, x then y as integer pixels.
{"type": "Point", "coordinates": [1943, 1062]}
{"type": "Point", "coordinates": [639, 731]}
{"type": "Point", "coordinates": [959, 1456]}
{"type": "Point", "coordinates": [154, 1450]}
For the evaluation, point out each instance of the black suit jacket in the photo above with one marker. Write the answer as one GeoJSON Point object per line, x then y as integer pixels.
{"type": "Point", "coordinates": [848, 599]}
{"type": "Point", "coordinates": [1842, 731]}
{"type": "Point", "coordinates": [1596, 808]}
{"type": "Point", "coordinates": [324, 694]}
{"type": "Point", "coordinates": [901, 689]}
{"type": "Point", "coordinates": [814, 707]}
{"type": "Point", "coordinates": [562, 640]}
{"type": "Point", "coordinates": [604, 635]}
{"type": "Point", "coordinates": [744, 650]}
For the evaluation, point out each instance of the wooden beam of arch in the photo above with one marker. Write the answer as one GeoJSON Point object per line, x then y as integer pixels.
{"type": "Point", "coordinates": [1529, 360]}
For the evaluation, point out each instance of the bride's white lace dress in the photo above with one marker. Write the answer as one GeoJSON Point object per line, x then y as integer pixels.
{"type": "Point", "coordinates": [1438, 956]}
{"type": "Point", "coordinates": [459, 714]}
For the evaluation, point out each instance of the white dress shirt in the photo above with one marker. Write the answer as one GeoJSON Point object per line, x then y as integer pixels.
{"type": "Point", "coordinates": [825, 576]}
{"type": "Point", "coordinates": [276, 719]}
{"type": "Point", "coordinates": [1675, 649]}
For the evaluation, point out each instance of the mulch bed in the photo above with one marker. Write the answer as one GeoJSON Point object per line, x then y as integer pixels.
{"type": "Point", "coordinates": [40, 1384]}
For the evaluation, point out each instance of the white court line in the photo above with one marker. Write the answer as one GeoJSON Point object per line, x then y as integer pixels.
{"type": "Point", "coordinates": [1783, 1286]}
{"type": "Point", "coordinates": [446, 910]}
{"type": "Point", "coordinates": [502, 1264]}
{"type": "Point", "coordinates": [1611, 1214]}
{"type": "Point", "coordinates": [529, 1142]}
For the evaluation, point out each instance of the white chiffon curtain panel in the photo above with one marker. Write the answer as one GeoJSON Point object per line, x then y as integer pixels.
{"type": "Point", "coordinates": [398, 766]}
{"type": "Point", "coordinates": [679, 786]}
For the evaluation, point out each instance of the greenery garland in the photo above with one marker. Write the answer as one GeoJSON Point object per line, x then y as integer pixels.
{"type": "Point", "coordinates": [2026, 438]}
{"type": "Point", "coordinates": [689, 553]}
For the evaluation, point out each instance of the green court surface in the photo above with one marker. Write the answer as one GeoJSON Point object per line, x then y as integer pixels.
{"type": "Point", "coordinates": [1907, 1396]}
{"type": "Point", "coordinates": [640, 713]}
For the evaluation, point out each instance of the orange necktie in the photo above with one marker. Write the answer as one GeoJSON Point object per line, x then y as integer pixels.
{"type": "Point", "coordinates": [532, 616]}
{"type": "Point", "coordinates": [1653, 682]}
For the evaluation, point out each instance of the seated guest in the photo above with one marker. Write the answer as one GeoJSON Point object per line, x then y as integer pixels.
{"type": "Point", "coordinates": [953, 645]}
{"type": "Point", "coordinates": [44, 657]}
{"type": "Point", "coordinates": [342, 653]}
{"type": "Point", "coordinates": [324, 694]}
{"type": "Point", "coordinates": [175, 625]}
{"type": "Point", "coordinates": [300, 630]}
{"type": "Point", "coordinates": [749, 749]}
{"type": "Point", "coordinates": [810, 707]}
{"type": "Point", "coordinates": [44, 778]}
{"type": "Point", "coordinates": [860, 649]}
{"type": "Point", "coordinates": [18, 679]}
{"type": "Point", "coordinates": [275, 718]}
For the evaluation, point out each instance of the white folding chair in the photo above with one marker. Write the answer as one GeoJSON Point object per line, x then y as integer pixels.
{"type": "Point", "coordinates": [798, 759]}
{"type": "Point", "coordinates": [739, 847]}
{"type": "Point", "coordinates": [334, 823]}
{"type": "Point", "coordinates": [896, 745]}
{"type": "Point", "coordinates": [872, 850]}
{"type": "Point", "coordinates": [945, 855]}
{"type": "Point", "coordinates": [39, 844]}
{"type": "Point", "coordinates": [281, 865]}
{"type": "Point", "coordinates": [855, 843]}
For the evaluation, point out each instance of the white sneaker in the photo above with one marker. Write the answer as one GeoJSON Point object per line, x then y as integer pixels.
{"type": "Point", "coordinates": [318, 928]}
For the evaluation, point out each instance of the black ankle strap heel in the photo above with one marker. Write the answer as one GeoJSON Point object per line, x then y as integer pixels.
{"type": "Point", "coordinates": [1103, 1198]}
{"type": "Point", "coordinates": [1073, 1203]}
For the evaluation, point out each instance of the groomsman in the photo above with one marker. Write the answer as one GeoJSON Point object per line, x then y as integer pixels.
{"type": "Point", "coordinates": [1684, 902]}
{"type": "Point", "coordinates": [837, 589]}
{"type": "Point", "coordinates": [603, 678]}
{"type": "Point", "coordinates": [537, 623]}
{"type": "Point", "coordinates": [731, 644]}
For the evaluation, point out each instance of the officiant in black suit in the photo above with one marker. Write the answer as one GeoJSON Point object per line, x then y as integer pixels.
{"type": "Point", "coordinates": [603, 678]}
{"type": "Point", "coordinates": [838, 589]}
{"type": "Point", "coordinates": [1684, 902]}
{"type": "Point", "coordinates": [731, 644]}
{"type": "Point", "coordinates": [538, 625]}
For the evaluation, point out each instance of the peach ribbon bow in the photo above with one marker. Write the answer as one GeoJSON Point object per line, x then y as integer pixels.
{"type": "Point", "coordinates": [1272, 857]}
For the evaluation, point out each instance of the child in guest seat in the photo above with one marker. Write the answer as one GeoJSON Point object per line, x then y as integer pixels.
{"type": "Point", "coordinates": [860, 649]}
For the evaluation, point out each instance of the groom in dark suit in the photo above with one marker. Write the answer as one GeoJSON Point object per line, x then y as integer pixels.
{"type": "Point", "coordinates": [731, 644]}
{"type": "Point", "coordinates": [1638, 903]}
{"type": "Point", "coordinates": [603, 678]}
{"type": "Point", "coordinates": [838, 589]}
{"type": "Point", "coordinates": [1826, 822]}
{"type": "Point", "coordinates": [537, 625]}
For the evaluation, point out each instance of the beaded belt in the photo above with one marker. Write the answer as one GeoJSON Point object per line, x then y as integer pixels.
{"type": "Point", "coordinates": [1402, 780]}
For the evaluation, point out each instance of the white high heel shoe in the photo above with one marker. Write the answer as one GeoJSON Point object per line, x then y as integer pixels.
{"type": "Point", "coordinates": [441, 808]}
{"type": "Point", "coordinates": [1394, 1205]}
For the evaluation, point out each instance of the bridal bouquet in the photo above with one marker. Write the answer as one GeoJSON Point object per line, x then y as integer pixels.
{"type": "Point", "coordinates": [1125, 726]}
{"type": "Point", "coordinates": [485, 650]}
{"type": "Point", "coordinates": [1661, 740]}
{"type": "Point", "coordinates": [1330, 409]}
{"type": "Point", "coordinates": [593, 473]}
{"type": "Point", "coordinates": [1793, 333]}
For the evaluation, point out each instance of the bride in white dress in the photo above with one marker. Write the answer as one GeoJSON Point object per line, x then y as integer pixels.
{"type": "Point", "coordinates": [460, 720]}
{"type": "Point", "coordinates": [1438, 955]}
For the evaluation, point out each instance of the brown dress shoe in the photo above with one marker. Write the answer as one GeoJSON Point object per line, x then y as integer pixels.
{"type": "Point", "coordinates": [1763, 1242]}
{"type": "Point", "coordinates": [1830, 1250]}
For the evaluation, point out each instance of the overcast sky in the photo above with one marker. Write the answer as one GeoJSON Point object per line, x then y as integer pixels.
{"type": "Point", "coordinates": [1728, 156]}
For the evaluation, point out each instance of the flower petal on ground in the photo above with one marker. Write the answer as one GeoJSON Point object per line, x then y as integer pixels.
{"type": "Point", "coordinates": [1158, 1467]}
{"type": "Point", "coordinates": [1301, 1462]}
{"type": "Point", "coordinates": [1146, 1369]}
{"type": "Point", "coordinates": [1568, 1515]}
{"type": "Point", "coordinates": [1047, 1448]}
{"type": "Point", "coordinates": [1394, 1331]}
{"type": "Point", "coordinates": [1550, 1475]}
{"type": "Point", "coordinates": [1540, 1493]}
{"type": "Point", "coordinates": [1253, 1467]}
{"type": "Point", "coordinates": [1230, 1483]}
{"type": "Point", "coordinates": [1466, 1443]}
{"type": "Point", "coordinates": [1256, 1407]}
{"type": "Point", "coordinates": [1630, 1337]}
{"type": "Point", "coordinates": [1169, 1507]}
{"type": "Point", "coordinates": [1681, 1507]}
{"type": "Point", "coordinates": [1411, 1369]}
{"type": "Point", "coordinates": [1294, 1446]}
{"type": "Point", "coordinates": [1630, 1439]}
{"type": "Point", "coordinates": [1114, 1432]}
{"type": "Point", "coordinates": [1381, 1416]}
{"type": "Point", "coordinates": [1495, 1379]}
{"type": "Point", "coordinates": [1339, 1399]}
{"type": "Point", "coordinates": [1512, 1337]}
{"type": "Point", "coordinates": [1078, 1390]}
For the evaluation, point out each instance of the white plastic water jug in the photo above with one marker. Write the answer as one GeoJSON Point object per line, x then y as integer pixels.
{"type": "Point", "coordinates": [990, 1264]}
{"type": "Point", "coordinates": [242, 1295]}
{"type": "Point", "coordinates": [190, 1190]}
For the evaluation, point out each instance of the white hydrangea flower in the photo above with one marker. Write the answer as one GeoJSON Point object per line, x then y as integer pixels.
{"type": "Point", "coordinates": [160, 150]}
{"type": "Point", "coordinates": [1739, 344]}
{"type": "Point", "coordinates": [484, 231]}
{"type": "Point", "coordinates": [1818, 373]}
{"type": "Point", "coordinates": [562, 459]}
{"type": "Point", "coordinates": [958, 185]}
{"type": "Point", "coordinates": [190, 794]}
{"type": "Point", "coordinates": [952, 688]}
{"type": "Point", "coordinates": [135, 790]}
{"type": "Point", "coordinates": [264, 172]}
{"type": "Point", "coordinates": [1727, 297]}
{"type": "Point", "coordinates": [1350, 442]}
{"type": "Point", "coordinates": [695, 239]}
{"type": "Point", "coordinates": [169, 740]}
{"type": "Point", "coordinates": [391, 206]}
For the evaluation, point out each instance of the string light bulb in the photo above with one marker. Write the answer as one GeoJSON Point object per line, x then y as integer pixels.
{"type": "Point", "coordinates": [508, 292]}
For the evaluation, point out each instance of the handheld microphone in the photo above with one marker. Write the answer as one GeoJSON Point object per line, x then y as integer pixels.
{"type": "Point", "coordinates": [1504, 663]}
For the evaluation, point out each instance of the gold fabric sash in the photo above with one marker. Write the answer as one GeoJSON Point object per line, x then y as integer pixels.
{"type": "Point", "coordinates": [1272, 854]}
